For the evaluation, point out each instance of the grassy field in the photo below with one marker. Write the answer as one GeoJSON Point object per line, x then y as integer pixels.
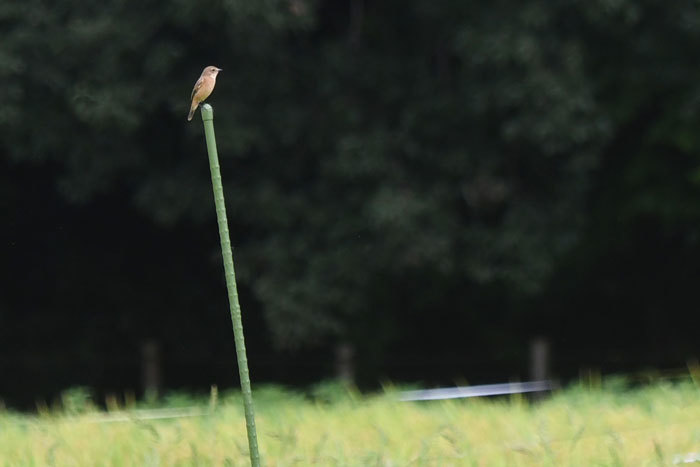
{"type": "Point", "coordinates": [655, 425]}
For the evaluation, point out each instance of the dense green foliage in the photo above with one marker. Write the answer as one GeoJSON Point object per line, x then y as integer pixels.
{"type": "Point", "coordinates": [385, 163]}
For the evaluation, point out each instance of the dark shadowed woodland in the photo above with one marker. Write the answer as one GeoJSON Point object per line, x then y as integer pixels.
{"type": "Point", "coordinates": [420, 187]}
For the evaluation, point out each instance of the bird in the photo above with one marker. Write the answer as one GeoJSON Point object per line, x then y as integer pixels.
{"type": "Point", "coordinates": [202, 88]}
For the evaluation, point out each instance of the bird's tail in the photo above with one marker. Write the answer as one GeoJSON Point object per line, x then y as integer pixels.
{"type": "Point", "coordinates": [192, 109]}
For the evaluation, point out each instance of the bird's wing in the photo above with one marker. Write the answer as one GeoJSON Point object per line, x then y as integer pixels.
{"type": "Point", "coordinates": [197, 85]}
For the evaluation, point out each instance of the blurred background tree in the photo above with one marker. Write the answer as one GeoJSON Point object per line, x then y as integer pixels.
{"type": "Point", "coordinates": [435, 181]}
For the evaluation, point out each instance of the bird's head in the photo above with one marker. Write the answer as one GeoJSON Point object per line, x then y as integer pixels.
{"type": "Point", "coordinates": [212, 71]}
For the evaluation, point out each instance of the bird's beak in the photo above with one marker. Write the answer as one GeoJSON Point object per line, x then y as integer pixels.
{"type": "Point", "coordinates": [219, 69]}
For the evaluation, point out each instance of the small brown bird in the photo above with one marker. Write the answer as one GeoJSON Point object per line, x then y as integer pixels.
{"type": "Point", "coordinates": [203, 87]}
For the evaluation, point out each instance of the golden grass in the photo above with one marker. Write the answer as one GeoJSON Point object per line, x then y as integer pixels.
{"type": "Point", "coordinates": [577, 427]}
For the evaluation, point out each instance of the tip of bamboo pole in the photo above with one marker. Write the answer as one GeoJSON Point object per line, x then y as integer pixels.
{"type": "Point", "coordinates": [207, 112]}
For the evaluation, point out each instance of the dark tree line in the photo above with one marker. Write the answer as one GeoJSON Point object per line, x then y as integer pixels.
{"type": "Point", "coordinates": [431, 182]}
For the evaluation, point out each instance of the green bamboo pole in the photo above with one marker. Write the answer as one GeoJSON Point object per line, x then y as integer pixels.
{"type": "Point", "coordinates": [208, 118]}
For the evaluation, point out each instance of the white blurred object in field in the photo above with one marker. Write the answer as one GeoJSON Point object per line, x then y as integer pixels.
{"type": "Point", "coordinates": [476, 391]}
{"type": "Point", "coordinates": [690, 458]}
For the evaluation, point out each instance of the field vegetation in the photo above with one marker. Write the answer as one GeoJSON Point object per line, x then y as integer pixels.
{"type": "Point", "coordinates": [582, 425]}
